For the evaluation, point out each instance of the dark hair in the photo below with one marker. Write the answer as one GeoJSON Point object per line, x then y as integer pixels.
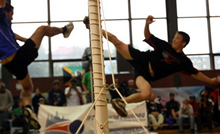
{"type": "Point", "coordinates": [73, 81]}
{"type": "Point", "coordinates": [192, 97]}
{"type": "Point", "coordinates": [56, 82]}
{"type": "Point", "coordinates": [185, 36]}
{"type": "Point", "coordinates": [172, 94]}
{"type": "Point", "coordinates": [8, 7]}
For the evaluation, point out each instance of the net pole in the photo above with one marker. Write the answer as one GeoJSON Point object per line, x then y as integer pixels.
{"type": "Point", "coordinates": [101, 111]}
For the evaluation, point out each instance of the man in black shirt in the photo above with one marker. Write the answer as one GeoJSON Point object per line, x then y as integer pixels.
{"type": "Point", "coordinates": [165, 60]}
{"type": "Point", "coordinates": [154, 112]}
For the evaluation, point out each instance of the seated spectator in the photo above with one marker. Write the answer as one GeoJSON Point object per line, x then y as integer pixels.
{"type": "Point", "coordinates": [35, 100]}
{"type": "Point", "coordinates": [216, 111]}
{"type": "Point", "coordinates": [73, 94]}
{"type": "Point", "coordinates": [186, 116]}
{"type": "Point", "coordinates": [6, 103]}
{"type": "Point", "coordinates": [204, 112]}
{"type": "Point", "coordinates": [172, 110]}
{"type": "Point", "coordinates": [131, 88]}
{"type": "Point", "coordinates": [154, 112]}
{"type": "Point", "coordinates": [18, 119]}
{"type": "Point", "coordinates": [56, 96]}
{"type": "Point", "coordinates": [194, 104]}
{"type": "Point", "coordinates": [114, 94]}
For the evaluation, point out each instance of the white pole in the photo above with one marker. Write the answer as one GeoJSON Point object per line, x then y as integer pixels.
{"type": "Point", "coordinates": [101, 112]}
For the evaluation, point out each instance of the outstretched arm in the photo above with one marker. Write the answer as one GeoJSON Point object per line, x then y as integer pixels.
{"type": "Point", "coordinates": [18, 37]}
{"type": "Point", "coordinates": [147, 33]}
{"type": "Point", "coordinates": [200, 76]}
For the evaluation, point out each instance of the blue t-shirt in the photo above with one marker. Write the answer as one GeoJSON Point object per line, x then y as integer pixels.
{"type": "Point", "coordinates": [8, 44]}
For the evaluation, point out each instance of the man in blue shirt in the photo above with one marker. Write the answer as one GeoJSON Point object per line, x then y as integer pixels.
{"type": "Point", "coordinates": [16, 59]}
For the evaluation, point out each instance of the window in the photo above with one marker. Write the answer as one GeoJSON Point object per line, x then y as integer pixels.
{"type": "Point", "coordinates": [58, 51]}
{"type": "Point", "coordinates": [57, 67]}
{"type": "Point", "coordinates": [187, 8]}
{"type": "Point", "coordinates": [158, 28]}
{"type": "Point", "coordinates": [217, 62]}
{"type": "Point", "coordinates": [143, 8]}
{"type": "Point", "coordinates": [26, 30]}
{"type": "Point", "coordinates": [114, 9]}
{"type": "Point", "coordinates": [120, 30]}
{"type": "Point", "coordinates": [197, 30]}
{"type": "Point", "coordinates": [39, 69]}
{"type": "Point", "coordinates": [68, 10]}
{"type": "Point", "coordinates": [215, 27]}
{"type": "Point", "coordinates": [214, 7]}
{"type": "Point", "coordinates": [201, 62]}
{"type": "Point", "coordinates": [30, 10]}
{"type": "Point", "coordinates": [72, 47]}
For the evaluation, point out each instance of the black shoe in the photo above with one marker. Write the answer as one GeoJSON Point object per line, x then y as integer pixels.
{"type": "Point", "coordinates": [119, 107]}
{"type": "Point", "coordinates": [31, 118]}
{"type": "Point", "coordinates": [86, 22]}
{"type": "Point", "coordinates": [192, 131]}
{"type": "Point", "coordinates": [182, 132]}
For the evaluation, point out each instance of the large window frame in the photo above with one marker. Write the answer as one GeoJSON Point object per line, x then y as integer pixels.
{"type": "Point", "coordinates": [129, 19]}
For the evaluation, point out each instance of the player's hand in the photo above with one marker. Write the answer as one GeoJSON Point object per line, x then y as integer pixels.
{"type": "Point", "coordinates": [150, 19]}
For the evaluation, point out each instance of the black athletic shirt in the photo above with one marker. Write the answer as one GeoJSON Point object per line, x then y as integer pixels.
{"type": "Point", "coordinates": [165, 60]}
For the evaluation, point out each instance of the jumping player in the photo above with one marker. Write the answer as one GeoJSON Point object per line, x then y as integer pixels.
{"type": "Point", "coordinates": [165, 60]}
{"type": "Point", "coordinates": [16, 59]}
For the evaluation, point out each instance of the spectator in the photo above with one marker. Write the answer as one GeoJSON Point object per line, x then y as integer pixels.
{"type": "Point", "coordinates": [6, 103]}
{"type": "Point", "coordinates": [172, 110]}
{"type": "Point", "coordinates": [205, 110]}
{"type": "Point", "coordinates": [186, 116]}
{"type": "Point", "coordinates": [131, 88]}
{"type": "Point", "coordinates": [216, 111]}
{"type": "Point", "coordinates": [35, 100]}
{"type": "Point", "coordinates": [56, 96]}
{"type": "Point", "coordinates": [18, 119]}
{"type": "Point", "coordinates": [114, 93]}
{"type": "Point", "coordinates": [193, 102]}
{"type": "Point", "coordinates": [154, 110]}
{"type": "Point", "coordinates": [73, 94]}
{"type": "Point", "coordinates": [86, 84]}
{"type": "Point", "coordinates": [86, 58]}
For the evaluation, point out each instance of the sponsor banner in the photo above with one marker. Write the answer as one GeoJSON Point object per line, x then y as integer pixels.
{"type": "Point", "coordinates": [66, 120]}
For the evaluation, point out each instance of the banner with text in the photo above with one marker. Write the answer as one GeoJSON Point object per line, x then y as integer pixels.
{"type": "Point", "coordinates": [66, 120]}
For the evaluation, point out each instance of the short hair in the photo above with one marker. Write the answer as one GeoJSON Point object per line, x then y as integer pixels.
{"type": "Point", "coordinates": [56, 82]}
{"type": "Point", "coordinates": [73, 81]}
{"type": "Point", "coordinates": [8, 7]}
{"type": "Point", "coordinates": [185, 36]}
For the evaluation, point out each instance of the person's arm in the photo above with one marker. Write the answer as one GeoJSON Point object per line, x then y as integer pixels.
{"type": "Point", "coordinates": [200, 76]}
{"type": "Point", "coordinates": [84, 87]}
{"type": "Point", "coordinates": [20, 38]}
{"type": "Point", "coordinates": [50, 98]}
{"type": "Point", "coordinates": [11, 101]}
{"type": "Point", "coordinates": [147, 32]}
{"type": "Point", "coordinates": [190, 109]}
{"type": "Point", "coordinates": [2, 3]}
{"type": "Point", "coordinates": [63, 99]}
{"type": "Point", "coordinates": [68, 90]}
